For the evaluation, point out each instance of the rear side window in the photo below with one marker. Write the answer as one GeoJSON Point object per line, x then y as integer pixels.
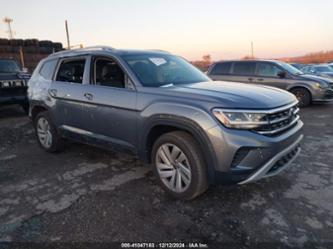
{"type": "Point", "coordinates": [71, 71]}
{"type": "Point", "coordinates": [47, 69]}
{"type": "Point", "coordinates": [244, 68]}
{"type": "Point", "coordinates": [221, 68]}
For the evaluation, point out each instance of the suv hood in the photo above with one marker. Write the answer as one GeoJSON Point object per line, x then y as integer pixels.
{"type": "Point", "coordinates": [236, 95]}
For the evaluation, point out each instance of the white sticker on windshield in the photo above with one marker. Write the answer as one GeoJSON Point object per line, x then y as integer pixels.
{"type": "Point", "coordinates": [158, 61]}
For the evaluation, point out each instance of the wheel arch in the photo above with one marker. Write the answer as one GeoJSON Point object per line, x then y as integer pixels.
{"type": "Point", "coordinates": [159, 126]}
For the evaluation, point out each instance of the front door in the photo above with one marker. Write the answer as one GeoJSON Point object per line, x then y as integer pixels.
{"type": "Point", "coordinates": [268, 74]}
{"type": "Point", "coordinates": [111, 107]}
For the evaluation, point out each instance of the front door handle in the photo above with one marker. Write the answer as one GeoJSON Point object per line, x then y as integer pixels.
{"type": "Point", "coordinates": [88, 96]}
{"type": "Point", "coordinates": [53, 92]}
{"type": "Point", "coordinates": [260, 79]}
{"type": "Point", "coordinates": [250, 79]}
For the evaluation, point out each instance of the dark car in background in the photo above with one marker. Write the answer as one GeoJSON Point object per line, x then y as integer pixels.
{"type": "Point", "coordinates": [13, 84]}
{"type": "Point", "coordinates": [307, 88]}
{"type": "Point", "coordinates": [323, 70]}
{"type": "Point", "coordinates": [298, 65]}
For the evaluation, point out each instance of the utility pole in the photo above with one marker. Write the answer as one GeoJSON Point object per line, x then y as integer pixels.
{"type": "Point", "coordinates": [67, 34]}
{"type": "Point", "coordinates": [8, 21]}
{"type": "Point", "coordinates": [252, 54]}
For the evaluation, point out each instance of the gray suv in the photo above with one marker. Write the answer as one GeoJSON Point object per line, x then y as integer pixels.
{"type": "Point", "coordinates": [164, 111]}
{"type": "Point", "coordinates": [307, 88]}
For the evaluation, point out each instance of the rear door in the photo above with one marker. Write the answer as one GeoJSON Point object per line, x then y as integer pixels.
{"type": "Point", "coordinates": [243, 71]}
{"type": "Point", "coordinates": [67, 90]}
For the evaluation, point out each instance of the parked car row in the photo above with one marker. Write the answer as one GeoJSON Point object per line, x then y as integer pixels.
{"type": "Point", "coordinates": [195, 130]}
{"type": "Point", "coordinates": [308, 88]}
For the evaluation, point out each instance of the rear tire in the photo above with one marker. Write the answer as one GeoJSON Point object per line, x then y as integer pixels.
{"type": "Point", "coordinates": [303, 96]}
{"type": "Point", "coordinates": [179, 165]}
{"type": "Point", "coordinates": [46, 133]}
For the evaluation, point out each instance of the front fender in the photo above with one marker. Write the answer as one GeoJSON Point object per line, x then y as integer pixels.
{"type": "Point", "coordinates": [187, 118]}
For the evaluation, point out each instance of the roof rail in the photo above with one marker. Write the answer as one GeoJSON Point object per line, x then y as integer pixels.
{"type": "Point", "coordinates": [92, 48]}
{"type": "Point", "coordinates": [160, 50]}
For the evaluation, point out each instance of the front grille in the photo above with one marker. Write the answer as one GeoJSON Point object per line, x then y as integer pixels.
{"type": "Point", "coordinates": [12, 83]}
{"type": "Point", "coordinates": [279, 121]}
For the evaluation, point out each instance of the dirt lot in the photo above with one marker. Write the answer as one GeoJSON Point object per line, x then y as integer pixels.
{"type": "Point", "coordinates": [86, 195]}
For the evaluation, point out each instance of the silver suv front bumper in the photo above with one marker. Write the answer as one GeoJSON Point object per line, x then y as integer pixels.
{"type": "Point", "coordinates": [278, 163]}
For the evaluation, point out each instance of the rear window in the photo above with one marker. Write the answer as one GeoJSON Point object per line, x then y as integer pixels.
{"type": "Point", "coordinates": [221, 68]}
{"type": "Point", "coordinates": [244, 68]}
{"type": "Point", "coordinates": [47, 69]}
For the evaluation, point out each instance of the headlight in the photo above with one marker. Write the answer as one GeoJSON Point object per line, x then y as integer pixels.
{"type": "Point", "coordinates": [239, 119]}
{"type": "Point", "coordinates": [322, 85]}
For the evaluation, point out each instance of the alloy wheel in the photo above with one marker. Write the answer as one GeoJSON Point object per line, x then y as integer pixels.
{"type": "Point", "coordinates": [173, 167]}
{"type": "Point", "coordinates": [44, 133]}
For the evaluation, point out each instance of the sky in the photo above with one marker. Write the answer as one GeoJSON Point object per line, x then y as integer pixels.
{"type": "Point", "coordinates": [190, 28]}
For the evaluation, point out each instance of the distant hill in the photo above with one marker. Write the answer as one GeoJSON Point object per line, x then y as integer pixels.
{"type": "Point", "coordinates": [317, 57]}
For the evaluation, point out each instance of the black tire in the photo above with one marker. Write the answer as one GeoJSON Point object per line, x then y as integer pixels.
{"type": "Point", "coordinates": [303, 96]}
{"type": "Point", "coordinates": [57, 143]}
{"type": "Point", "coordinates": [189, 146]}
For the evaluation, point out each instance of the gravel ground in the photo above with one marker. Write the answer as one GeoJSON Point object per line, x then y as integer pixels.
{"type": "Point", "coordinates": [85, 194]}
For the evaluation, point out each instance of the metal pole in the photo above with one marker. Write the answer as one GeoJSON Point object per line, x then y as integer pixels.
{"type": "Point", "coordinates": [10, 31]}
{"type": "Point", "coordinates": [67, 34]}
{"type": "Point", "coordinates": [22, 57]}
{"type": "Point", "coordinates": [252, 54]}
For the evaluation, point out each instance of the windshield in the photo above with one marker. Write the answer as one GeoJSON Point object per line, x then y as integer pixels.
{"type": "Point", "coordinates": [162, 70]}
{"type": "Point", "coordinates": [289, 68]}
{"type": "Point", "coordinates": [9, 66]}
{"type": "Point", "coordinates": [323, 69]}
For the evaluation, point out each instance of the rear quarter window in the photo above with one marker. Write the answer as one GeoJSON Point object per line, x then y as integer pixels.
{"type": "Point", "coordinates": [221, 68]}
{"type": "Point", "coordinates": [47, 69]}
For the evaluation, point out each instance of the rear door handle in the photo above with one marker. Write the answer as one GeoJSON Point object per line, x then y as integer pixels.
{"type": "Point", "coordinates": [260, 79]}
{"type": "Point", "coordinates": [250, 79]}
{"type": "Point", "coordinates": [53, 92]}
{"type": "Point", "coordinates": [88, 96]}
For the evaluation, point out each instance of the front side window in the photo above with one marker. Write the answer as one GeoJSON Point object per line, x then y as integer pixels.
{"type": "Point", "coordinates": [47, 69]}
{"type": "Point", "coordinates": [267, 70]}
{"type": "Point", "coordinates": [71, 71]}
{"type": "Point", "coordinates": [108, 73]}
{"type": "Point", "coordinates": [221, 68]}
{"type": "Point", "coordinates": [155, 70]}
{"type": "Point", "coordinates": [244, 68]}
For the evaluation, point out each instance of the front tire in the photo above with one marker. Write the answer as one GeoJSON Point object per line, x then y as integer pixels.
{"type": "Point", "coordinates": [303, 96]}
{"type": "Point", "coordinates": [47, 135]}
{"type": "Point", "coordinates": [179, 165]}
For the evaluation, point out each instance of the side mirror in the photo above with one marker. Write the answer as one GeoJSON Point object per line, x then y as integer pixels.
{"type": "Point", "coordinates": [282, 74]}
